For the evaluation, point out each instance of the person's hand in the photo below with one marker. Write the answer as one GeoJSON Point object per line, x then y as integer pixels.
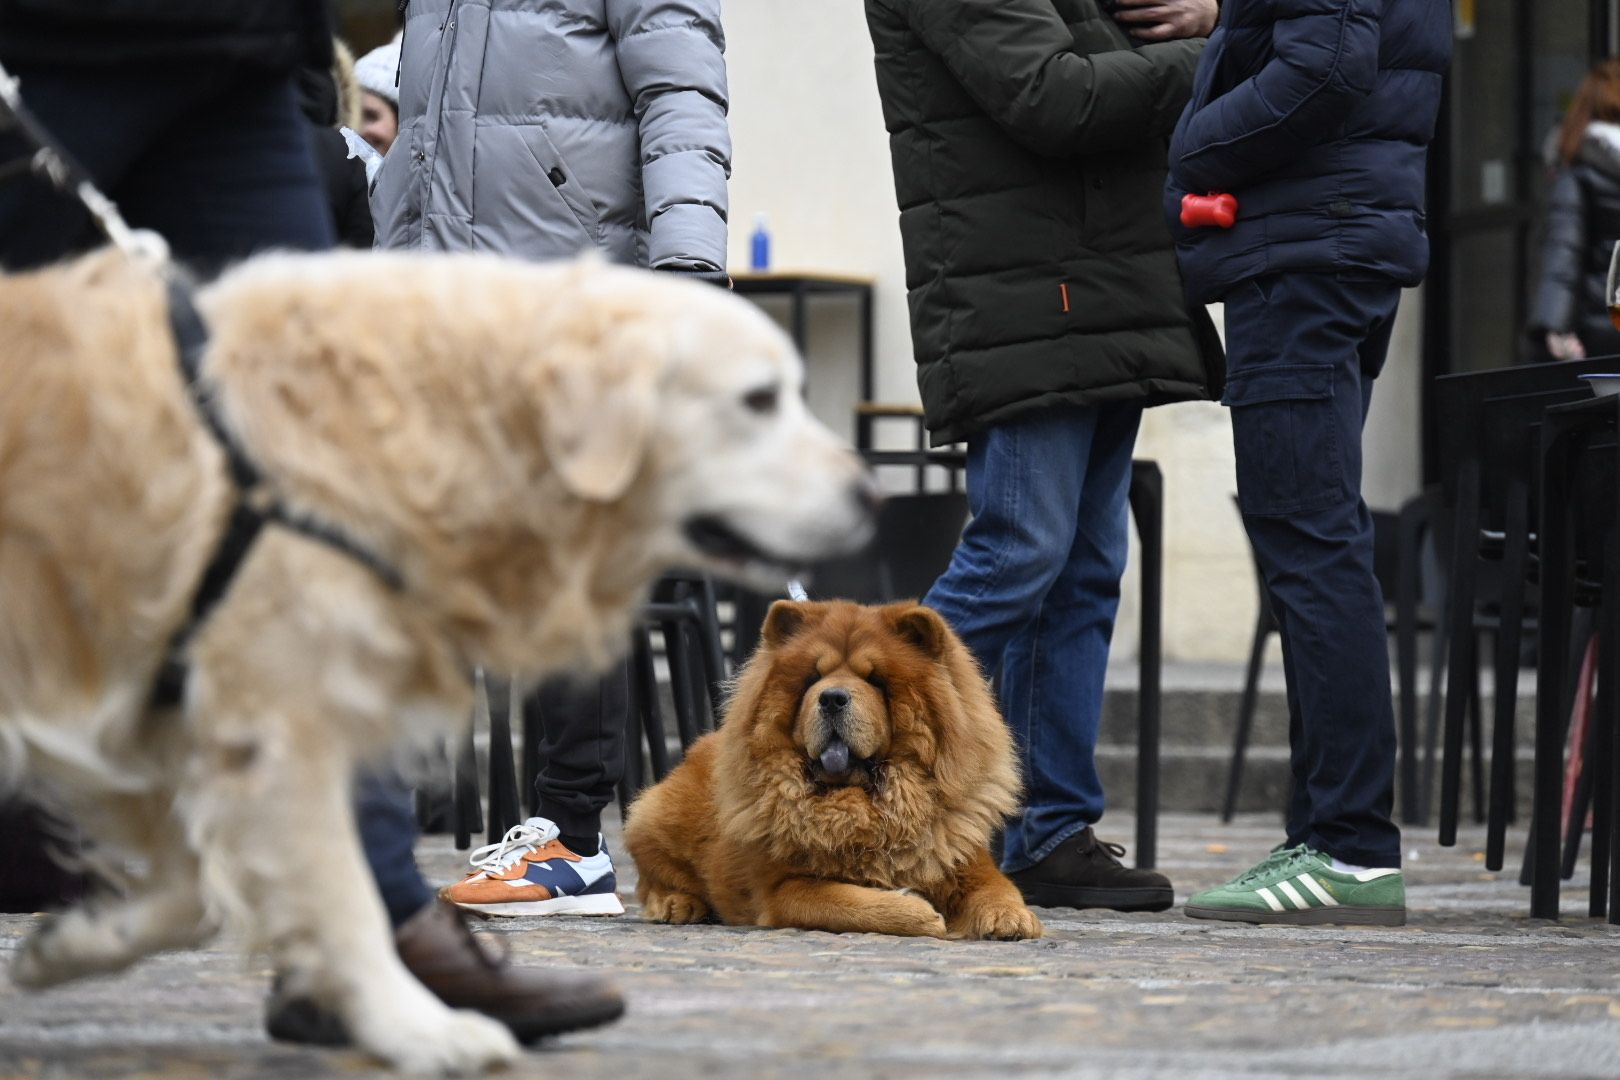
{"type": "Point", "coordinates": [1166, 20]}
{"type": "Point", "coordinates": [1565, 346]}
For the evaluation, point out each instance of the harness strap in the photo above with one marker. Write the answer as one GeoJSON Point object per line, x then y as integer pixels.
{"type": "Point", "coordinates": [254, 509]}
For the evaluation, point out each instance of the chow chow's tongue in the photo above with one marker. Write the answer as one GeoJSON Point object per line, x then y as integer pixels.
{"type": "Point", "coordinates": [835, 759]}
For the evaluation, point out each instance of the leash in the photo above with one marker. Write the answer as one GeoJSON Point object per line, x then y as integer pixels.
{"type": "Point", "coordinates": [56, 166]}
{"type": "Point", "coordinates": [256, 505]}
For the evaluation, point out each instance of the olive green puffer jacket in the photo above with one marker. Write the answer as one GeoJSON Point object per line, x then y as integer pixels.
{"type": "Point", "coordinates": [1029, 141]}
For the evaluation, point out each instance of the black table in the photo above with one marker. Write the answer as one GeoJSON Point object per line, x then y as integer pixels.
{"type": "Point", "coordinates": [799, 288]}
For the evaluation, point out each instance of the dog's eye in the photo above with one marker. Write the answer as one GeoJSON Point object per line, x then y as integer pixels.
{"type": "Point", "coordinates": [809, 681]}
{"type": "Point", "coordinates": [878, 683]}
{"type": "Point", "coordinates": [762, 401]}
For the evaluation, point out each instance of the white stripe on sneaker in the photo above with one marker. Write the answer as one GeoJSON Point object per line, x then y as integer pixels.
{"type": "Point", "coordinates": [1293, 895]}
{"type": "Point", "coordinates": [1317, 890]}
{"type": "Point", "coordinates": [1271, 901]}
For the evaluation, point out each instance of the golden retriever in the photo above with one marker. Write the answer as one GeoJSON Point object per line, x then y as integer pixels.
{"type": "Point", "coordinates": [529, 445]}
{"type": "Point", "coordinates": [853, 786]}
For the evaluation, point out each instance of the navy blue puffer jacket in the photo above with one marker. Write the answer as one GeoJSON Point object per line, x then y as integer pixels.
{"type": "Point", "coordinates": [1317, 115]}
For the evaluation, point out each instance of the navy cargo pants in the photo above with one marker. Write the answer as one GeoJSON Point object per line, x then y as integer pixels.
{"type": "Point", "coordinates": [1303, 350]}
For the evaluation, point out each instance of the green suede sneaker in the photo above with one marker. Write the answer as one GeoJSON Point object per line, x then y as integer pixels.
{"type": "Point", "coordinates": [1274, 858]}
{"type": "Point", "coordinates": [1299, 886]}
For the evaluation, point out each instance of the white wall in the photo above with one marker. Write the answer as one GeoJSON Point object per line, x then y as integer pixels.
{"type": "Point", "coordinates": [810, 150]}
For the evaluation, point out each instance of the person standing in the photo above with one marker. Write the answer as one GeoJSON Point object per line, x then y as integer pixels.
{"type": "Point", "coordinates": [1583, 223]}
{"type": "Point", "coordinates": [189, 119]}
{"type": "Point", "coordinates": [1028, 141]}
{"type": "Point", "coordinates": [542, 131]}
{"type": "Point", "coordinates": [379, 96]}
{"type": "Point", "coordinates": [1318, 121]}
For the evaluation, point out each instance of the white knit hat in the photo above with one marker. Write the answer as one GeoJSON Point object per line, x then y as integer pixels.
{"type": "Point", "coordinates": [377, 70]}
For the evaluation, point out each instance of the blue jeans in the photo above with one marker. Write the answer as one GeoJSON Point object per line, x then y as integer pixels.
{"type": "Point", "coordinates": [1033, 589]}
{"type": "Point", "coordinates": [385, 814]}
{"type": "Point", "coordinates": [1302, 353]}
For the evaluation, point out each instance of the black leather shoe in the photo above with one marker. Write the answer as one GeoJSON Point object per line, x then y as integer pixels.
{"type": "Point", "coordinates": [439, 949]}
{"type": "Point", "coordinates": [1085, 872]}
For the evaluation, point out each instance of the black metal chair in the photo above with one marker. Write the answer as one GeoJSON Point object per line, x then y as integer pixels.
{"type": "Point", "coordinates": [684, 613]}
{"type": "Point", "coordinates": [1489, 423]}
{"type": "Point", "coordinates": [1579, 478]}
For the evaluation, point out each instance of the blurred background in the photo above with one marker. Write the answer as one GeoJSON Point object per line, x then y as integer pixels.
{"type": "Point", "coordinates": [812, 155]}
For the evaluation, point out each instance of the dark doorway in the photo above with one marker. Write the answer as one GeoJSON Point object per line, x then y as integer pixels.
{"type": "Point", "coordinates": [1514, 67]}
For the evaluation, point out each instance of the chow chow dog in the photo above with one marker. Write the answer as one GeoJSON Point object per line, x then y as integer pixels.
{"type": "Point", "coordinates": [527, 446]}
{"type": "Point", "coordinates": [853, 787]}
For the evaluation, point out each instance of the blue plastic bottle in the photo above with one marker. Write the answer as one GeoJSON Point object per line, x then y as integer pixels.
{"type": "Point", "coordinates": [760, 246]}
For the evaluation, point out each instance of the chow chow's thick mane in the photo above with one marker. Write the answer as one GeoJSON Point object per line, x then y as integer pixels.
{"type": "Point", "coordinates": [950, 777]}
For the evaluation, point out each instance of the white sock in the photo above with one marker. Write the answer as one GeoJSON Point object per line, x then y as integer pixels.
{"type": "Point", "coordinates": [1347, 868]}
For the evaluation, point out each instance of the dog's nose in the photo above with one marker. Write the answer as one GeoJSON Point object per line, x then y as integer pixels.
{"type": "Point", "coordinates": [834, 699]}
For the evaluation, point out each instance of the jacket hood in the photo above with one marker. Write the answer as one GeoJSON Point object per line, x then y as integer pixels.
{"type": "Point", "coordinates": [1601, 148]}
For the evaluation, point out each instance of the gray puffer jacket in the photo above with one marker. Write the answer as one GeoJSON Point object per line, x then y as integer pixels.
{"type": "Point", "coordinates": [542, 127]}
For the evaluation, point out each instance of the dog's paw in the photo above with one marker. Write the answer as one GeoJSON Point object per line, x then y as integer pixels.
{"type": "Point", "coordinates": [66, 947]}
{"type": "Point", "coordinates": [674, 907]}
{"type": "Point", "coordinates": [460, 1043]}
{"type": "Point", "coordinates": [917, 917]}
{"type": "Point", "coordinates": [32, 968]}
{"type": "Point", "coordinates": [998, 921]}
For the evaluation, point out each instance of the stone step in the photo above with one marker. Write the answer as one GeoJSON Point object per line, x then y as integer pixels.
{"type": "Point", "coordinates": [1193, 778]}
{"type": "Point", "coordinates": [1200, 716]}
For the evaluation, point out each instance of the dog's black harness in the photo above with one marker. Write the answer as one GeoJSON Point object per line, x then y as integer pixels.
{"type": "Point", "coordinates": [255, 505]}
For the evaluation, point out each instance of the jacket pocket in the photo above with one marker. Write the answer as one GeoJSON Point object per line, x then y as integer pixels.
{"type": "Point", "coordinates": [570, 189]}
{"type": "Point", "coordinates": [1285, 429]}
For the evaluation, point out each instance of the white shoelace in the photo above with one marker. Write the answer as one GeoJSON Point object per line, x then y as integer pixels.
{"type": "Point", "coordinates": [518, 841]}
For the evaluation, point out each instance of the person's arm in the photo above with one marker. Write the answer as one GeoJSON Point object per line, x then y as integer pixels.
{"type": "Point", "coordinates": [1324, 61]}
{"type": "Point", "coordinates": [672, 59]}
{"type": "Point", "coordinates": [1017, 60]}
{"type": "Point", "coordinates": [1562, 254]}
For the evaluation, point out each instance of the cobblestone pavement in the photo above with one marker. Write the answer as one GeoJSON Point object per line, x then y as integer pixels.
{"type": "Point", "coordinates": [1470, 988]}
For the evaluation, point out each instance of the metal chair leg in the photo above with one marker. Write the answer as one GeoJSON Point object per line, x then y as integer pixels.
{"type": "Point", "coordinates": [1439, 657]}
{"type": "Point", "coordinates": [1515, 558]}
{"type": "Point", "coordinates": [1464, 647]}
{"type": "Point", "coordinates": [1557, 559]}
{"type": "Point", "coordinates": [1409, 559]}
{"type": "Point", "coordinates": [652, 721]}
{"type": "Point", "coordinates": [1147, 504]}
{"type": "Point", "coordinates": [683, 689]}
{"type": "Point", "coordinates": [504, 811]}
{"type": "Point", "coordinates": [467, 803]}
{"type": "Point", "coordinates": [713, 651]}
{"type": "Point", "coordinates": [1263, 628]}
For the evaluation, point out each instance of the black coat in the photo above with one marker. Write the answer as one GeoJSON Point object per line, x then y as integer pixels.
{"type": "Point", "coordinates": [343, 178]}
{"type": "Point", "coordinates": [1583, 223]}
{"type": "Point", "coordinates": [277, 35]}
{"type": "Point", "coordinates": [1028, 140]}
{"type": "Point", "coordinates": [1317, 115]}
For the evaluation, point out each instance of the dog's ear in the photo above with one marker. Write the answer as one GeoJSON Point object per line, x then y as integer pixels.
{"type": "Point", "coordinates": [596, 422]}
{"type": "Point", "coordinates": [923, 627]}
{"type": "Point", "coordinates": [786, 618]}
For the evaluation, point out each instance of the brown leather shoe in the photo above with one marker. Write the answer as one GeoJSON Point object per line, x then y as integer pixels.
{"type": "Point", "coordinates": [439, 949]}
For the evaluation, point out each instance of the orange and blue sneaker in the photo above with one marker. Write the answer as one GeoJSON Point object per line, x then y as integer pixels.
{"type": "Point", "coordinates": [531, 872]}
